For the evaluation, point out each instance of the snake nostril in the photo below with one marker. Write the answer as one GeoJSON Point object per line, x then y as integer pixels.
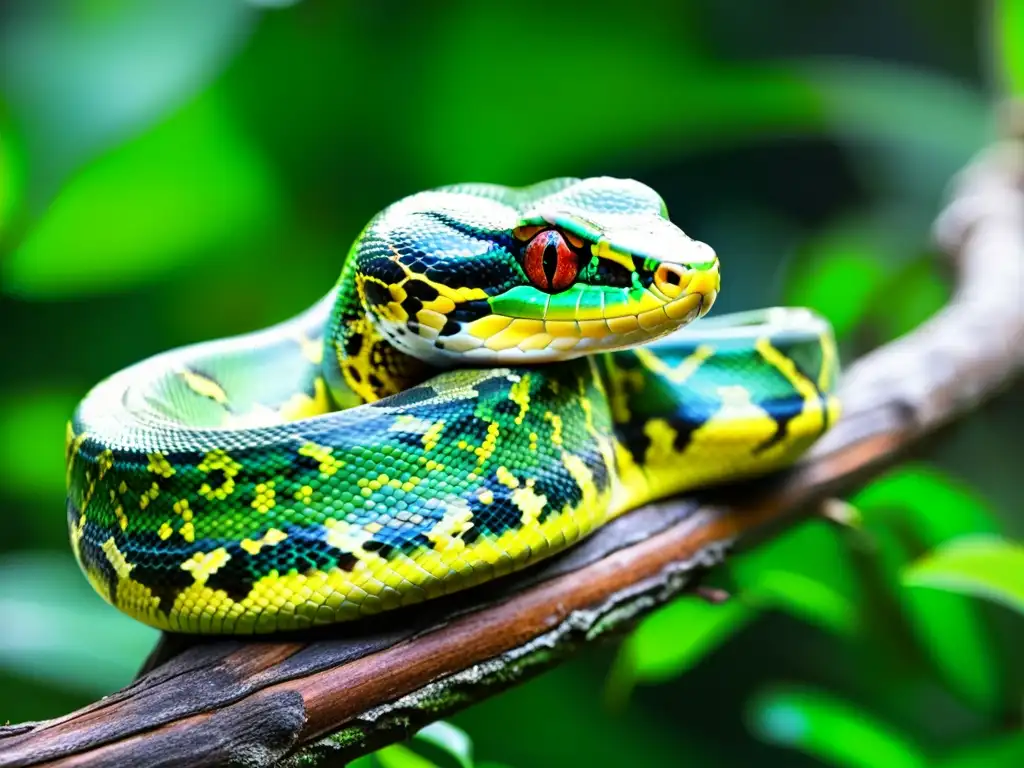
{"type": "Point", "coordinates": [670, 278]}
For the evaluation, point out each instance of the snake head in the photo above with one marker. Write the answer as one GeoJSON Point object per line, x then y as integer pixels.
{"type": "Point", "coordinates": [484, 274]}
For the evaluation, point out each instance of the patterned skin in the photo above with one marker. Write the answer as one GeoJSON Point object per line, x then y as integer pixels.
{"type": "Point", "coordinates": [497, 374]}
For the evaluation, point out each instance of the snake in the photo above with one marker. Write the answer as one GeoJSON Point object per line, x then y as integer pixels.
{"type": "Point", "coordinates": [497, 373]}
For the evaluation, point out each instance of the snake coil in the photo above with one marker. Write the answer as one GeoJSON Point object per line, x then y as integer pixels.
{"type": "Point", "coordinates": [497, 373]}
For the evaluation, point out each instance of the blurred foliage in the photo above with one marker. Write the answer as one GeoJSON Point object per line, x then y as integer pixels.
{"type": "Point", "coordinates": [836, 733]}
{"type": "Point", "coordinates": [982, 566]}
{"type": "Point", "coordinates": [180, 170]}
{"type": "Point", "coordinates": [439, 745]}
{"type": "Point", "coordinates": [1009, 28]}
{"type": "Point", "coordinates": [195, 169]}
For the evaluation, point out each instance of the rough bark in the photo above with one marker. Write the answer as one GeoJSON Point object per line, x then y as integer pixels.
{"type": "Point", "coordinates": [331, 696]}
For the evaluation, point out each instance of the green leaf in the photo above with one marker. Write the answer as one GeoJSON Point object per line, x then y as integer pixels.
{"type": "Point", "coordinates": [805, 572]}
{"type": "Point", "coordinates": [398, 756]}
{"type": "Point", "coordinates": [447, 738]}
{"type": "Point", "coordinates": [988, 567]}
{"type": "Point", "coordinates": [1009, 30]}
{"type": "Point", "coordinates": [57, 630]}
{"type": "Point", "coordinates": [450, 739]}
{"type": "Point", "coordinates": [830, 730]}
{"type": "Point", "coordinates": [672, 640]}
{"type": "Point", "coordinates": [189, 187]}
{"type": "Point", "coordinates": [935, 505]}
{"type": "Point", "coordinates": [951, 634]}
{"type": "Point", "coordinates": [675, 638]}
{"type": "Point", "coordinates": [803, 597]}
{"type": "Point", "coordinates": [917, 507]}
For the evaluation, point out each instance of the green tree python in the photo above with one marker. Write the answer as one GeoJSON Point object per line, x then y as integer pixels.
{"type": "Point", "coordinates": [497, 374]}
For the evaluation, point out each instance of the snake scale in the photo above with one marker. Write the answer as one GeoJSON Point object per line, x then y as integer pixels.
{"type": "Point", "coordinates": [497, 373]}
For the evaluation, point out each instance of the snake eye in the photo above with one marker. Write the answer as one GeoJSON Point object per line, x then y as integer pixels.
{"type": "Point", "coordinates": [550, 264]}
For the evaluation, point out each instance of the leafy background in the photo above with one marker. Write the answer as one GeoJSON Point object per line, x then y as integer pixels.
{"type": "Point", "coordinates": [183, 170]}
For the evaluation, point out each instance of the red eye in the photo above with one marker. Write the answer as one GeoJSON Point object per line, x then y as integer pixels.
{"type": "Point", "coordinates": [550, 264]}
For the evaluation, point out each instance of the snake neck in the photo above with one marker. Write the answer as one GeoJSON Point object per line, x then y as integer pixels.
{"type": "Point", "coordinates": [359, 364]}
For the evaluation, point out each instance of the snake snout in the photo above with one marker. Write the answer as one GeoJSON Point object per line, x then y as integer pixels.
{"type": "Point", "coordinates": [688, 290]}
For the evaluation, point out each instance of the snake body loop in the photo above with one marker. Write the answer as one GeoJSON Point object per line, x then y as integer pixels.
{"type": "Point", "coordinates": [497, 373]}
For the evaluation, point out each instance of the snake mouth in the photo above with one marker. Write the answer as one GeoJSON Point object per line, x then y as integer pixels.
{"type": "Point", "coordinates": [525, 327]}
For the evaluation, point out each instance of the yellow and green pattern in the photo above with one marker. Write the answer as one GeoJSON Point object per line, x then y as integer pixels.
{"type": "Point", "coordinates": [497, 373]}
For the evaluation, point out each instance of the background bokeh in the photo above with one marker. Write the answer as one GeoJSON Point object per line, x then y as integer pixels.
{"type": "Point", "coordinates": [184, 170]}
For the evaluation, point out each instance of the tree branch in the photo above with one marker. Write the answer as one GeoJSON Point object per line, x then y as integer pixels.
{"type": "Point", "coordinates": [260, 702]}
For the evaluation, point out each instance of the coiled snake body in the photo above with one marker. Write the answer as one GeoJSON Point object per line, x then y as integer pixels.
{"type": "Point", "coordinates": [498, 373]}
